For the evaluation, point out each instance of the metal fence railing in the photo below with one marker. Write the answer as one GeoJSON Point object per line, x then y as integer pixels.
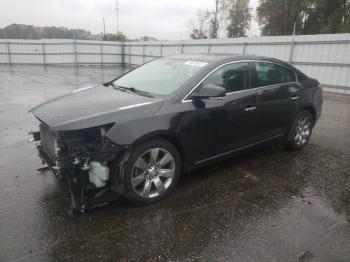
{"type": "Point", "coordinates": [49, 52]}
{"type": "Point", "coordinates": [325, 57]}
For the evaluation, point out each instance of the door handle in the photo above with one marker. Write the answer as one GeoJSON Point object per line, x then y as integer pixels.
{"type": "Point", "coordinates": [250, 108]}
{"type": "Point", "coordinates": [294, 98]}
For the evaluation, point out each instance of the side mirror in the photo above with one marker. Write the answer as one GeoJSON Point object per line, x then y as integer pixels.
{"type": "Point", "coordinates": [209, 91]}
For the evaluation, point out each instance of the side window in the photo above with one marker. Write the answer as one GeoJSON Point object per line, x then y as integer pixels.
{"type": "Point", "coordinates": [233, 77]}
{"type": "Point", "coordinates": [271, 74]}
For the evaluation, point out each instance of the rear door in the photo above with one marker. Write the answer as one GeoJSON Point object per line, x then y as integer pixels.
{"type": "Point", "coordinates": [277, 93]}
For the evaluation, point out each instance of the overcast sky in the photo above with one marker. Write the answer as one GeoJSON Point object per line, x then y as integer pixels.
{"type": "Point", "coordinates": [163, 19]}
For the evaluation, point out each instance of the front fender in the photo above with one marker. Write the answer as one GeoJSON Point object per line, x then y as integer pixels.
{"type": "Point", "coordinates": [127, 133]}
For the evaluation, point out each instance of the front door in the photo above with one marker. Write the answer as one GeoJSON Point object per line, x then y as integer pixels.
{"type": "Point", "coordinates": [226, 123]}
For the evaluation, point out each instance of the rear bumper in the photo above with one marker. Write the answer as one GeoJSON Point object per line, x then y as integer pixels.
{"type": "Point", "coordinates": [318, 105]}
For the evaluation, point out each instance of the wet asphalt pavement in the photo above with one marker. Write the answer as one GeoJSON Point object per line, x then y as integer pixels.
{"type": "Point", "coordinates": [271, 205]}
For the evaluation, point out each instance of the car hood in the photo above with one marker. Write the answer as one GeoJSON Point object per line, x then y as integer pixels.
{"type": "Point", "coordinates": [94, 106]}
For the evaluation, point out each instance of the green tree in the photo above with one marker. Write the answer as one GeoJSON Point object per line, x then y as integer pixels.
{"type": "Point", "coordinates": [214, 21]}
{"type": "Point", "coordinates": [277, 17]}
{"type": "Point", "coordinates": [148, 38]}
{"type": "Point", "coordinates": [121, 37]}
{"type": "Point", "coordinates": [239, 17]}
{"type": "Point", "coordinates": [65, 33]}
{"type": "Point", "coordinates": [200, 25]}
{"type": "Point", "coordinates": [328, 16]}
{"type": "Point", "coordinates": [235, 13]}
{"type": "Point", "coordinates": [58, 33]}
{"type": "Point", "coordinates": [19, 31]}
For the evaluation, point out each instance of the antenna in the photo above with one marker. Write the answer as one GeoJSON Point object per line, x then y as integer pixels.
{"type": "Point", "coordinates": [117, 9]}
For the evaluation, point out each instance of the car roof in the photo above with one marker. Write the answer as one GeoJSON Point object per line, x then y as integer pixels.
{"type": "Point", "coordinates": [212, 58]}
{"type": "Point", "coordinates": [221, 58]}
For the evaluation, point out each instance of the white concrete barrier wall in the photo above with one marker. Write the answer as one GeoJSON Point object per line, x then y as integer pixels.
{"type": "Point", "coordinates": [325, 57]}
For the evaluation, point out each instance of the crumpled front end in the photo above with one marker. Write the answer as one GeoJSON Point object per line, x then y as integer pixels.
{"type": "Point", "coordinates": [83, 157]}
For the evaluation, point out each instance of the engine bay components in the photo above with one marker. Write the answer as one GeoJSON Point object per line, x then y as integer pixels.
{"type": "Point", "coordinates": [82, 157]}
{"type": "Point", "coordinates": [98, 174]}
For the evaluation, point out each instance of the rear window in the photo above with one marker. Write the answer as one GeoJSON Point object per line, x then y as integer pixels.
{"type": "Point", "coordinates": [271, 74]}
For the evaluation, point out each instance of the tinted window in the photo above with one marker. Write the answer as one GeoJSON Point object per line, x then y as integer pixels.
{"type": "Point", "coordinates": [271, 74]}
{"type": "Point", "coordinates": [233, 77]}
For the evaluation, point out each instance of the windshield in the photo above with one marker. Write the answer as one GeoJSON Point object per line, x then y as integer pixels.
{"type": "Point", "coordinates": [161, 77]}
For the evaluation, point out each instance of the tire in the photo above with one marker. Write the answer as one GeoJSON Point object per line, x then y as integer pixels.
{"type": "Point", "coordinates": [151, 172]}
{"type": "Point", "coordinates": [301, 130]}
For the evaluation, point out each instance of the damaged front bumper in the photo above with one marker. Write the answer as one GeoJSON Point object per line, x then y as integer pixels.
{"type": "Point", "coordinates": [88, 165]}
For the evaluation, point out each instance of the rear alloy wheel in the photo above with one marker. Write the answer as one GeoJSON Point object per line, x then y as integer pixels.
{"type": "Point", "coordinates": [152, 172]}
{"type": "Point", "coordinates": [301, 130]}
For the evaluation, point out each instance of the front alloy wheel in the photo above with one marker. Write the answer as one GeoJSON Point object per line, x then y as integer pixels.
{"type": "Point", "coordinates": [151, 171]}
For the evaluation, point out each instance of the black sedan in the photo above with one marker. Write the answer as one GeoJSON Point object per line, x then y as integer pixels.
{"type": "Point", "coordinates": [134, 135]}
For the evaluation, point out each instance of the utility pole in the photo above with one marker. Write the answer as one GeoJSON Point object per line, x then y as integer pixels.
{"type": "Point", "coordinates": [104, 27]}
{"type": "Point", "coordinates": [216, 26]}
{"type": "Point", "coordinates": [294, 27]}
{"type": "Point", "coordinates": [117, 9]}
{"type": "Point", "coordinates": [295, 19]}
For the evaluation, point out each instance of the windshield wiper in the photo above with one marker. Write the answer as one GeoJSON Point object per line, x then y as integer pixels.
{"type": "Point", "coordinates": [122, 88]}
{"type": "Point", "coordinates": [132, 89]}
{"type": "Point", "coordinates": [139, 92]}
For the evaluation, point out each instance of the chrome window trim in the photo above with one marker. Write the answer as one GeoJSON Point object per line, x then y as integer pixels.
{"type": "Point", "coordinates": [238, 149]}
{"type": "Point", "coordinates": [184, 99]}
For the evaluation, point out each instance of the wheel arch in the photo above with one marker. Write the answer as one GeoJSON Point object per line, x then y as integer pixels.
{"type": "Point", "coordinates": [166, 135]}
{"type": "Point", "coordinates": [119, 164]}
{"type": "Point", "coordinates": [312, 110]}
